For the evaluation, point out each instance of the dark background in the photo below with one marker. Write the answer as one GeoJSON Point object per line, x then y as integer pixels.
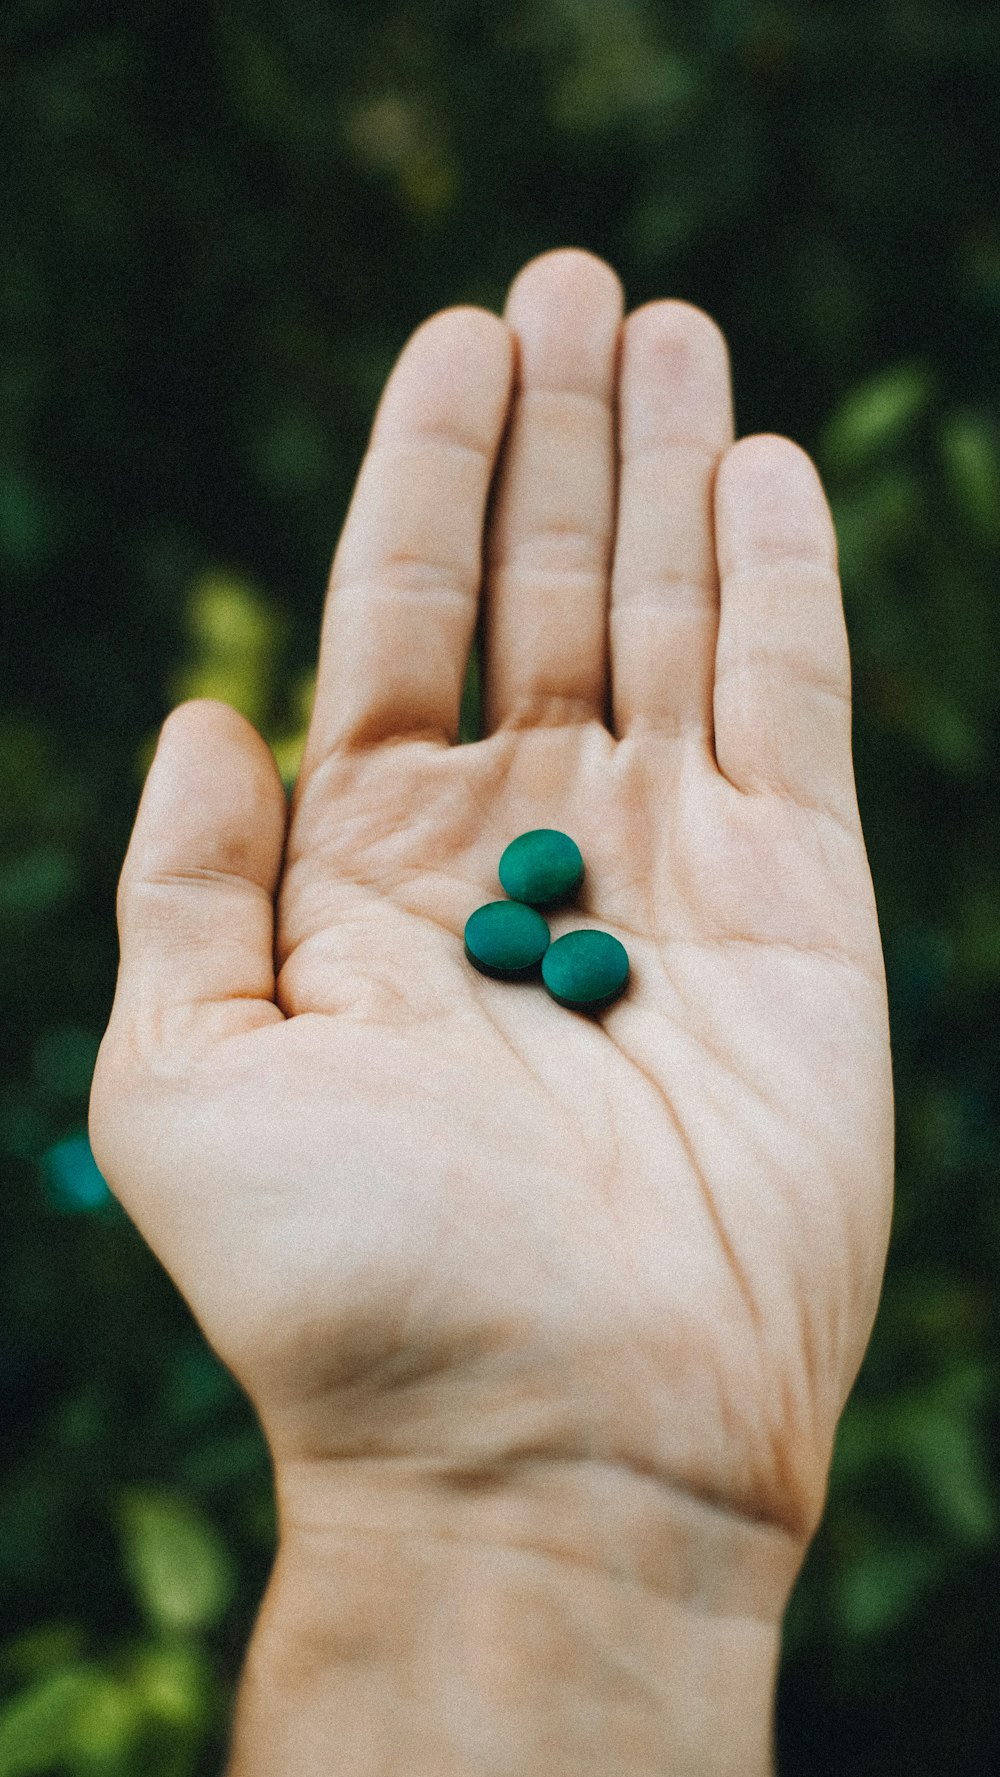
{"type": "Point", "coordinates": [221, 220]}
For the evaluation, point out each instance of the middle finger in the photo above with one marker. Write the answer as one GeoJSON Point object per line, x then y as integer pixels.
{"type": "Point", "coordinates": [550, 539]}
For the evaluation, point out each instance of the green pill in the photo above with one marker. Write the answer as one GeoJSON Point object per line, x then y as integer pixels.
{"type": "Point", "coordinates": [585, 970]}
{"type": "Point", "coordinates": [541, 867]}
{"type": "Point", "coordinates": [506, 939]}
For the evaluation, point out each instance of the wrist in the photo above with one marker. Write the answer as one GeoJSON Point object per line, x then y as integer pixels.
{"type": "Point", "coordinates": [588, 1620]}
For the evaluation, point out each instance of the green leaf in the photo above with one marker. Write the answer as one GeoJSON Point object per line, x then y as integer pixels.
{"type": "Point", "coordinates": [936, 1435]}
{"type": "Point", "coordinates": [292, 453]}
{"type": "Point", "coordinates": [37, 883]}
{"type": "Point", "coordinates": [615, 70]}
{"type": "Point", "coordinates": [40, 1650]}
{"type": "Point", "coordinates": [948, 733]}
{"type": "Point", "coordinates": [79, 1716]}
{"type": "Point", "coordinates": [181, 1572]}
{"type": "Point", "coordinates": [235, 634]}
{"type": "Point", "coordinates": [27, 524]}
{"type": "Point", "coordinates": [64, 1058]}
{"type": "Point", "coordinates": [943, 1443]}
{"type": "Point", "coordinates": [978, 936]}
{"type": "Point", "coordinates": [226, 1460]}
{"type": "Point", "coordinates": [175, 1686]}
{"type": "Point", "coordinates": [104, 1729]}
{"type": "Point", "coordinates": [873, 518]}
{"type": "Point", "coordinates": [874, 417]}
{"type": "Point", "coordinates": [882, 1586]}
{"type": "Point", "coordinates": [971, 453]}
{"type": "Point", "coordinates": [35, 1726]}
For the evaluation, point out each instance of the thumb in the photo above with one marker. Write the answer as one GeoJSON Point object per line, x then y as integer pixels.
{"type": "Point", "coordinates": [196, 896]}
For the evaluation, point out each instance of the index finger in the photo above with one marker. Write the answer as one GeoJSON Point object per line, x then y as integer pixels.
{"type": "Point", "coordinates": [402, 601]}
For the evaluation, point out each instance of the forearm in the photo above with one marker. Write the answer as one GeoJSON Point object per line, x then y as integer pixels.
{"type": "Point", "coordinates": [587, 1626]}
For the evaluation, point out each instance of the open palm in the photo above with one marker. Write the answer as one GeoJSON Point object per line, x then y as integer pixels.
{"type": "Point", "coordinates": [434, 1218]}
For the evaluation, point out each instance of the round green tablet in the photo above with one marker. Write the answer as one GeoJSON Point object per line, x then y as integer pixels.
{"type": "Point", "coordinates": [541, 867]}
{"type": "Point", "coordinates": [585, 970]}
{"type": "Point", "coordinates": [506, 939]}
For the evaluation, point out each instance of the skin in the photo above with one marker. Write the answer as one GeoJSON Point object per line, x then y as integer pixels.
{"type": "Point", "coordinates": [497, 1275]}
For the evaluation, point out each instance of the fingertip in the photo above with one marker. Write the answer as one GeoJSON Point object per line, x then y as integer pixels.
{"type": "Point", "coordinates": [196, 893]}
{"type": "Point", "coordinates": [483, 330]}
{"type": "Point", "coordinates": [679, 331]}
{"type": "Point", "coordinates": [568, 269]}
{"type": "Point", "coordinates": [782, 698]}
{"type": "Point", "coordinates": [213, 793]}
{"type": "Point", "coordinates": [212, 716]}
{"type": "Point", "coordinates": [459, 361]}
{"type": "Point", "coordinates": [770, 505]}
{"type": "Point", "coordinates": [566, 309]}
{"type": "Point", "coordinates": [676, 385]}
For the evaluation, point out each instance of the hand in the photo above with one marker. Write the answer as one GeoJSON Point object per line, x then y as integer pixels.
{"type": "Point", "coordinates": [456, 1241]}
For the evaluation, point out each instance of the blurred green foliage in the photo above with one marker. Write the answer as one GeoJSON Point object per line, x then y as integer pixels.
{"type": "Point", "coordinates": [221, 221]}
